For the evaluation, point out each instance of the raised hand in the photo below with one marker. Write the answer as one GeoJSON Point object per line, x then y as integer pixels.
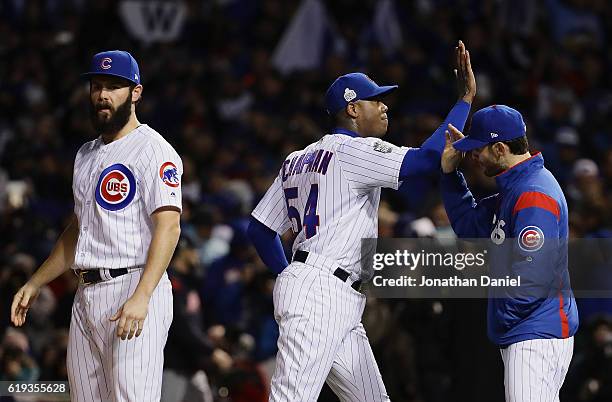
{"type": "Point", "coordinates": [466, 82]}
{"type": "Point", "coordinates": [450, 156]}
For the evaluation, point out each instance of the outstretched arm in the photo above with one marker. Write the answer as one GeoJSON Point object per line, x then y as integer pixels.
{"type": "Point", "coordinates": [427, 158]}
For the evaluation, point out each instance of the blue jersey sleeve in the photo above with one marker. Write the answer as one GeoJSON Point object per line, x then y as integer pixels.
{"type": "Point", "coordinates": [539, 257]}
{"type": "Point", "coordinates": [469, 219]}
{"type": "Point", "coordinates": [426, 159]}
{"type": "Point", "coordinates": [268, 245]}
{"type": "Point", "coordinates": [537, 248]}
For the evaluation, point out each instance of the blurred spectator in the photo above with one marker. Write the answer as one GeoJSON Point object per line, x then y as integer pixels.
{"type": "Point", "coordinates": [188, 349]}
{"type": "Point", "coordinates": [588, 380]}
{"type": "Point", "coordinates": [53, 357]}
{"type": "Point", "coordinates": [15, 362]}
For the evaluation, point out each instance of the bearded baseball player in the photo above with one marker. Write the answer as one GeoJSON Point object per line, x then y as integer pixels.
{"type": "Point", "coordinates": [328, 194]}
{"type": "Point", "coordinates": [527, 222]}
{"type": "Point", "coordinates": [125, 227]}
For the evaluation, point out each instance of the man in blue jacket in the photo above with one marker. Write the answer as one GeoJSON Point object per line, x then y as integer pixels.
{"type": "Point", "coordinates": [527, 223]}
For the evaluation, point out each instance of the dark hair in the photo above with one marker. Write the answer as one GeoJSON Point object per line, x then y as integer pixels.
{"type": "Point", "coordinates": [518, 146]}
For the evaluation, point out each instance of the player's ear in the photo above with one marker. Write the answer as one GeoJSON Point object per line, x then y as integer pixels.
{"type": "Point", "coordinates": [136, 93]}
{"type": "Point", "coordinates": [351, 110]}
{"type": "Point", "coordinates": [500, 149]}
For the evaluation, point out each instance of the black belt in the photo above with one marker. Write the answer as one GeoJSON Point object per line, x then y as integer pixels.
{"type": "Point", "coordinates": [301, 256]}
{"type": "Point", "coordinates": [91, 276]}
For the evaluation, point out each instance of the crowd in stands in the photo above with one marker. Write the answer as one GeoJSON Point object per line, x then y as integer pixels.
{"type": "Point", "coordinates": [216, 96]}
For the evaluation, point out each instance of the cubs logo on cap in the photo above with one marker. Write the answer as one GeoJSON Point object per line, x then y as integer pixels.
{"type": "Point", "coordinates": [169, 174]}
{"type": "Point", "coordinates": [105, 64]}
{"type": "Point", "coordinates": [117, 63]}
{"type": "Point", "coordinates": [116, 187]}
{"type": "Point", "coordinates": [531, 238]}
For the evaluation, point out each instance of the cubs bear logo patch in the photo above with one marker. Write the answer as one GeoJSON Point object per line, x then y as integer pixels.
{"type": "Point", "coordinates": [169, 174]}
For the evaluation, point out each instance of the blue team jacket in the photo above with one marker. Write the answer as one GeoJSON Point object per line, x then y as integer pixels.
{"type": "Point", "coordinates": [527, 223]}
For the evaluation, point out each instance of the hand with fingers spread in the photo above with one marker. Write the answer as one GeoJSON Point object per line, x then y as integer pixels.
{"type": "Point", "coordinates": [466, 82]}
{"type": "Point", "coordinates": [450, 156]}
{"type": "Point", "coordinates": [131, 316]}
{"type": "Point", "coordinates": [22, 302]}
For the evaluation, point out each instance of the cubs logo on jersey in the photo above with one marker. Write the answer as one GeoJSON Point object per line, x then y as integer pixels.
{"type": "Point", "coordinates": [169, 174]}
{"type": "Point", "coordinates": [116, 187]}
{"type": "Point", "coordinates": [531, 238]}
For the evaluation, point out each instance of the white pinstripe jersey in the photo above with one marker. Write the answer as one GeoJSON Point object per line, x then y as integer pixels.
{"type": "Point", "coordinates": [328, 193]}
{"type": "Point", "coordinates": [116, 187]}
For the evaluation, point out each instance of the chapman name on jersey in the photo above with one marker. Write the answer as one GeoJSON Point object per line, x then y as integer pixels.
{"type": "Point", "coordinates": [307, 162]}
{"type": "Point", "coordinates": [328, 194]}
{"type": "Point", "coordinates": [117, 186]}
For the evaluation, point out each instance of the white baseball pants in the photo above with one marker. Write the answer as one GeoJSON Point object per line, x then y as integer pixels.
{"type": "Point", "coordinates": [101, 366]}
{"type": "Point", "coordinates": [534, 370]}
{"type": "Point", "coordinates": [321, 339]}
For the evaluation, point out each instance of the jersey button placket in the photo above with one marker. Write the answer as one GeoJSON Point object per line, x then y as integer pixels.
{"type": "Point", "coordinates": [91, 195]}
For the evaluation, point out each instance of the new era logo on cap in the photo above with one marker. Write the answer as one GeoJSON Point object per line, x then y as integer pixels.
{"type": "Point", "coordinates": [491, 124]}
{"type": "Point", "coordinates": [117, 63]}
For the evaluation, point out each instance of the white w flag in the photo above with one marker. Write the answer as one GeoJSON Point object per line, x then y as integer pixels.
{"type": "Point", "coordinates": [153, 21]}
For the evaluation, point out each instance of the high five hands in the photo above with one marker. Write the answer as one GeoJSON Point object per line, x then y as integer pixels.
{"type": "Point", "coordinates": [466, 82]}
{"type": "Point", "coordinates": [450, 156]}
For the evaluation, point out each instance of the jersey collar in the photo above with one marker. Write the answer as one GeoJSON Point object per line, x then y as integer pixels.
{"type": "Point", "coordinates": [338, 130]}
{"type": "Point", "coordinates": [508, 177]}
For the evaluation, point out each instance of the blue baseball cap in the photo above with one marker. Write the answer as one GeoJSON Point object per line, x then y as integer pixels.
{"type": "Point", "coordinates": [118, 63]}
{"type": "Point", "coordinates": [495, 123]}
{"type": "Point", "coordinates": [350, 88]}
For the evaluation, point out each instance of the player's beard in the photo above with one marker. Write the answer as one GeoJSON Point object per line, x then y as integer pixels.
{"type": "Point", "coordinates": [493, 168]}
{"type": "Point", "coordinates": [117, 119]}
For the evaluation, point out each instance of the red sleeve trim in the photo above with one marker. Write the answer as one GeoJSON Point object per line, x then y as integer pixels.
{"type": "Point", "coordinates": [536, 199]}
{"type": "Point", "coordinates": [563, 316]}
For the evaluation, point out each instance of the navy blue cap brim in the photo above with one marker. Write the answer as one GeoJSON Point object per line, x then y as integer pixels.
{"type": "Point", "coordinates": [467, 144]}
{"type": "Point", "coordinates": [381, 91]}
{"type": "Point", "coordinates": [86, 76]}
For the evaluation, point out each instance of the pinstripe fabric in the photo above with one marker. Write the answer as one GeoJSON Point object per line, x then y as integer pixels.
{"type": "Point", "coordinates": [321, 338]}
{"type": "Point", "coordinates": [534, 370]}
{"type": "Point", "coordinates": [101, 366]}
{"type": "Point", "coordinates": [121, 238]}
{"type": "Point", "coordinates": [348, 195]}
{"type": "Point", "coordinates": [115, 231]}
{"type": "Point", "coordinates": [328, 194]}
